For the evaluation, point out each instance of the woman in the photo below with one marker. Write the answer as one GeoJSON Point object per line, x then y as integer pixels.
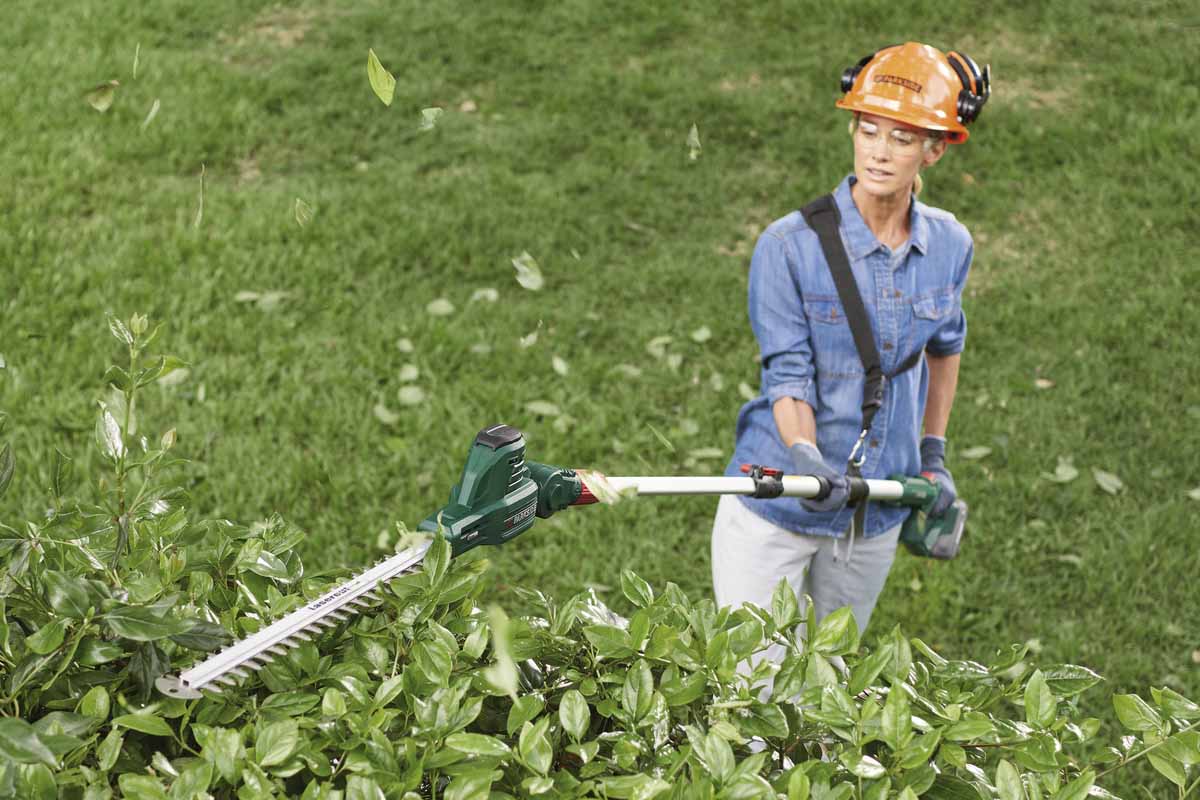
{"type": "Point", "coordinates": [910, 263]}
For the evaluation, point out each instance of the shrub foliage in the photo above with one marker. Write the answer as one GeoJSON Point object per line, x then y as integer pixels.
{"type": "Point", "coordinates": [427, 695]}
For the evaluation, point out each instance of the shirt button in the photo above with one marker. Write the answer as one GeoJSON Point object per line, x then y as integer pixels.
{"type": "Point", "coordinates": [874, 443]}
{"type": "Point", "coordinates": [887, 345]}
{"type": "Point", "coordinates": [898, 293]}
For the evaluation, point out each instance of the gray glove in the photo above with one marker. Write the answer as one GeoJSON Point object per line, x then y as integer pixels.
{"type": "Point", "coordinates": [808, 461]}
{"type": "Point", "coordinates": [933, 466]}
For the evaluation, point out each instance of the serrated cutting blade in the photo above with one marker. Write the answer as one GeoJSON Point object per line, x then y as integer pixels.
{"type": "Point", "coordinates": [238, 660]}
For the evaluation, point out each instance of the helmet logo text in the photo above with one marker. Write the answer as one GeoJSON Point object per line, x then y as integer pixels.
{"type": "Point", "coordinates": [896, 79]}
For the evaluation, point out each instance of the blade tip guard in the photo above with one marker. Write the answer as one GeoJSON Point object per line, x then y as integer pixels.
{"type": "Point", "coordinates": [172, 686]}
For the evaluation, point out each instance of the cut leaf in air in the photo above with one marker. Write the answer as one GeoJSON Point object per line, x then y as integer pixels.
{"type": "Point", "coordinates": [101, 97]}
{"type": "Point", "coordinates": [628, 370]}
{"type": "Point", "coordinates": [1107, 481]}
{"type": "Point", "coordinates": [975, 453]}
{"type": "Point", "coordinates": [429, 118]}
{"type": "Point", "coordinates": [137, 56]}
{"type": "Point", "coordinates": [530, 340]}
{"type": "Point", "coordinates": [666, 442]}
{"type": "Point", "coordinates": [404, 345]}
{"type": "Point", "coordinates": [560, 366]}
{"type": "Point", "coordinates": [529, 274]}
{"type": "Point", "coordinates": [693, 143]}
{"type": "Point", "coordinates": [440, 307]}
{"type": "Point", "coordinates": [200, 208]}
{"type": "Point", "coordinates": [411, 395]}
{"type": "Point", "coordinates": [481, 348]}
{"type": "Point", "coordinates": [564, 423]}
{"type": "Point", "coordinates": [701, 334]}
{"type": "Point", "coordinates": [601, 488]}
{"type": "Point", "coordinates": [1044, 383]}
{"type": "Point", "coordinates": [542, 408]}
{"type": "Point", "coordinates": [1193, 494]}
{"type": "Point", "coordinates": [382, 82]}
{"type": "Point", "coordinates": [486, 295]}
{"type": "Point", "coordinates": [409, 373]}
{"type": "Point", "coordinates": [152, 114]}
{"type": "Point", "coordinates": [303, 212]}
{"type": "Point", "coordinates": [705, 453]}
{"type": "Point", "coordinates": [385, 415]}
{"type": "Point", "coordinates": [716, 382]}
{"type": "Point", "coordinates": [1065, 472]}
{"type": "Point", "coordinates": [657, 346]}
{"type": "Point", "coordinates": [746, 392]}
{"type": "Point", "coordinates": [689, 427]}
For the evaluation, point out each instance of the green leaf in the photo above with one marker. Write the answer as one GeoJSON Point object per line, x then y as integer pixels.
{"type": "Point", "coordinates": [21, 743]}
{"type": "Point", "coordinates": [193, 780]}
{"type": "Point", "coordinates": [119, 331]}
{"type": "Point", "coordinates": [333, 703]}
{"type": "Point", "coordinates": [277, 742]}
{"type": "Point", "coordinates": [145, 723]}
{"type": "Point", "coordinates": [1008, 781]}
{"type": "Point", "coordinates": [48, 638]}
{"type": "Point", "coordinates": [476, 744]}
{"type": "Point", "coordinates": [437, 559]}
{"type": "Point", "coordinates": [785, 611]}
{"type": "Point", "coordinates": [362, 787]}
{"type": "Point", "coordinates": [95, 703]}
{"type": "Point", "coordinates": [141, 787]}
{"type": "Point", "coordinates": [1135, 714]}
{"type": "Point", "coordinates": [525, 709]}
{"type": "Point", "coordinates": [799, 787]}
{"type": "Point", "coordinates": [110, 749]}
{"type": "Point", "coordinates": [636, 589]}
{"type": "Point", "coordinates": [535, 747]}
{"type": "Point", "coordinates": [966, 730]}
{"type": "Point", "coordinates": [862, 766]}
{"type": "Point", "coordinates": [1168, 767]}
{"type": "Point", "coordinates": [895, 724]}
{"type": "Point", "coordinates": [223, 748]}
{"type": "Point", "coordinates": [7, 465]}
{"type": "Point", "coordinates": [1066, 680]}
{"type": "Point", "coordinates": [574, 714]}
{"type": "Point", "coordinates": [201, 635]}
{"type": "Point", "coordinates": [143, 624]}
{"type": "Point", "coordinates": [1040, 704]}
{"type": "Point", "coordinates": [609, 641]}
{"type": "Point", "coordinates": [1077, 789]}
{"type": "Point", "coordinates": [949, 787]}
{"type": "Point", "coordinates": [837, 634]}
{"type": "Point", "coordinates": [66, 594]}
{"type": "Point", "coordinates": [764, 720]}
{"type": "Point", "coordinates": [638, 691]}
{"type": "Point", "coordinates": [715, 755]}
{"type": "Point", "coordinates": [382, 82]}
{"type": "Point", "coordinates": [1174, 704]}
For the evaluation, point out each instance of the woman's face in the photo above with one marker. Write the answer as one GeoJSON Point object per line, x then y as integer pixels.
{"type": "Point", "coordinates": [888, 154]}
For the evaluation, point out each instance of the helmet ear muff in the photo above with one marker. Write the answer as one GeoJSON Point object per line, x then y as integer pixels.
{"type": "Point", "coordinates": [976, 86]}
{"type": "Point", "coordinates": [850, 73]}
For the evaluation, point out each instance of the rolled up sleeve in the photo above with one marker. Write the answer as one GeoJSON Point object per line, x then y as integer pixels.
{"type": "Point", "coordinates": [951, 338]}
{"type": "Point", "coordinates": [777, 317]}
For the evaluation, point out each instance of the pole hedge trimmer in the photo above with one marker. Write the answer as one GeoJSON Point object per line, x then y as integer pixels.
{"type": "Point", "coordinates": [497, 499]}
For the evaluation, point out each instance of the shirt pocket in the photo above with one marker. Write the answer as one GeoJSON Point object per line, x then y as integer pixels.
{"type": "Point", "coordinates": [834, 353]}
{"type": "Point", "coordinates": [930, 311]}
{"type": "Point", "coordinates": [934, 306]}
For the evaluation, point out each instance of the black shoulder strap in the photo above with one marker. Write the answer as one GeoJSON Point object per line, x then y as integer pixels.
{"type": "Point", "coordinates": [823, 217]}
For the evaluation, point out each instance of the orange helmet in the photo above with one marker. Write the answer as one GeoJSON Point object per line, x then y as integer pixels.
{"type": "Point", "coordinates": [920, 85]}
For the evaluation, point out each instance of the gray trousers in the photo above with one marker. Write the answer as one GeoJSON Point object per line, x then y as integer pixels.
{"type": "Point", "coordinates": [751, 555]}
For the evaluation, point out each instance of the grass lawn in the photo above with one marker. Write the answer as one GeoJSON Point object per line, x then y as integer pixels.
{"type": "Point", "coordinates": [564, 135]}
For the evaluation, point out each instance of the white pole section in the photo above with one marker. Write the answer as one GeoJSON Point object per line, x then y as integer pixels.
{"type": "Point", "coordinates": [793, 486]}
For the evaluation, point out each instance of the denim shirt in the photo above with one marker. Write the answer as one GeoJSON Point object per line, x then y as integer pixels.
{"type": "Point", "coordinates": [913, 298]}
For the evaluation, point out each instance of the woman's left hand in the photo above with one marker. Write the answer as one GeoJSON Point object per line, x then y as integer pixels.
{"type": "Point", "coordinates": [933, 466]}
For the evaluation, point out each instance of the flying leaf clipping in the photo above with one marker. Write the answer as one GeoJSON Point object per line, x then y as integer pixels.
{"type": "Point", "coordinates": [542, 408]}
{"type": "Point", "coordinates": [429, 118]}
{"type": "Point", "coordinates": [746, 391]}
{"type": "Point", "coordinates": [529, 274]}
{"type": "Point", "coordinates": [382, 81]}
{"type": "Point", "coordinates": [440, 307]}
{"type": "Point", "coordinates": [200, 208]}
{"type": "Point", "coordinates": [1065, 472]}
{"type": "Point", "coordinates": [303, 212]}
{"type": "Point", "coordinates": [152, 113]}
{"type": "Point", "coordinates": [487, 295]}
{"type": "Point", "coordinates": [411, 395]}
{"type": "Point", "coordinates": [701, 334]}
{"type": "Point", "coordinates": [975, 453]}
{"type": "Point", "coordinates": [693, 142]}
{"type": "Point", "coordinates": [560, 366]}
{"type": "Point", "coordinates": [101, 97]}
{"type": "Point", "coordinates": [1107, 481]}
{"type": "Point", "coordinates": [409, 373]}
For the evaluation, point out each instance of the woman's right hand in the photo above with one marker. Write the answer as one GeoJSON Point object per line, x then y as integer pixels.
{"type": "Point", "coordinates": [807, 460]}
